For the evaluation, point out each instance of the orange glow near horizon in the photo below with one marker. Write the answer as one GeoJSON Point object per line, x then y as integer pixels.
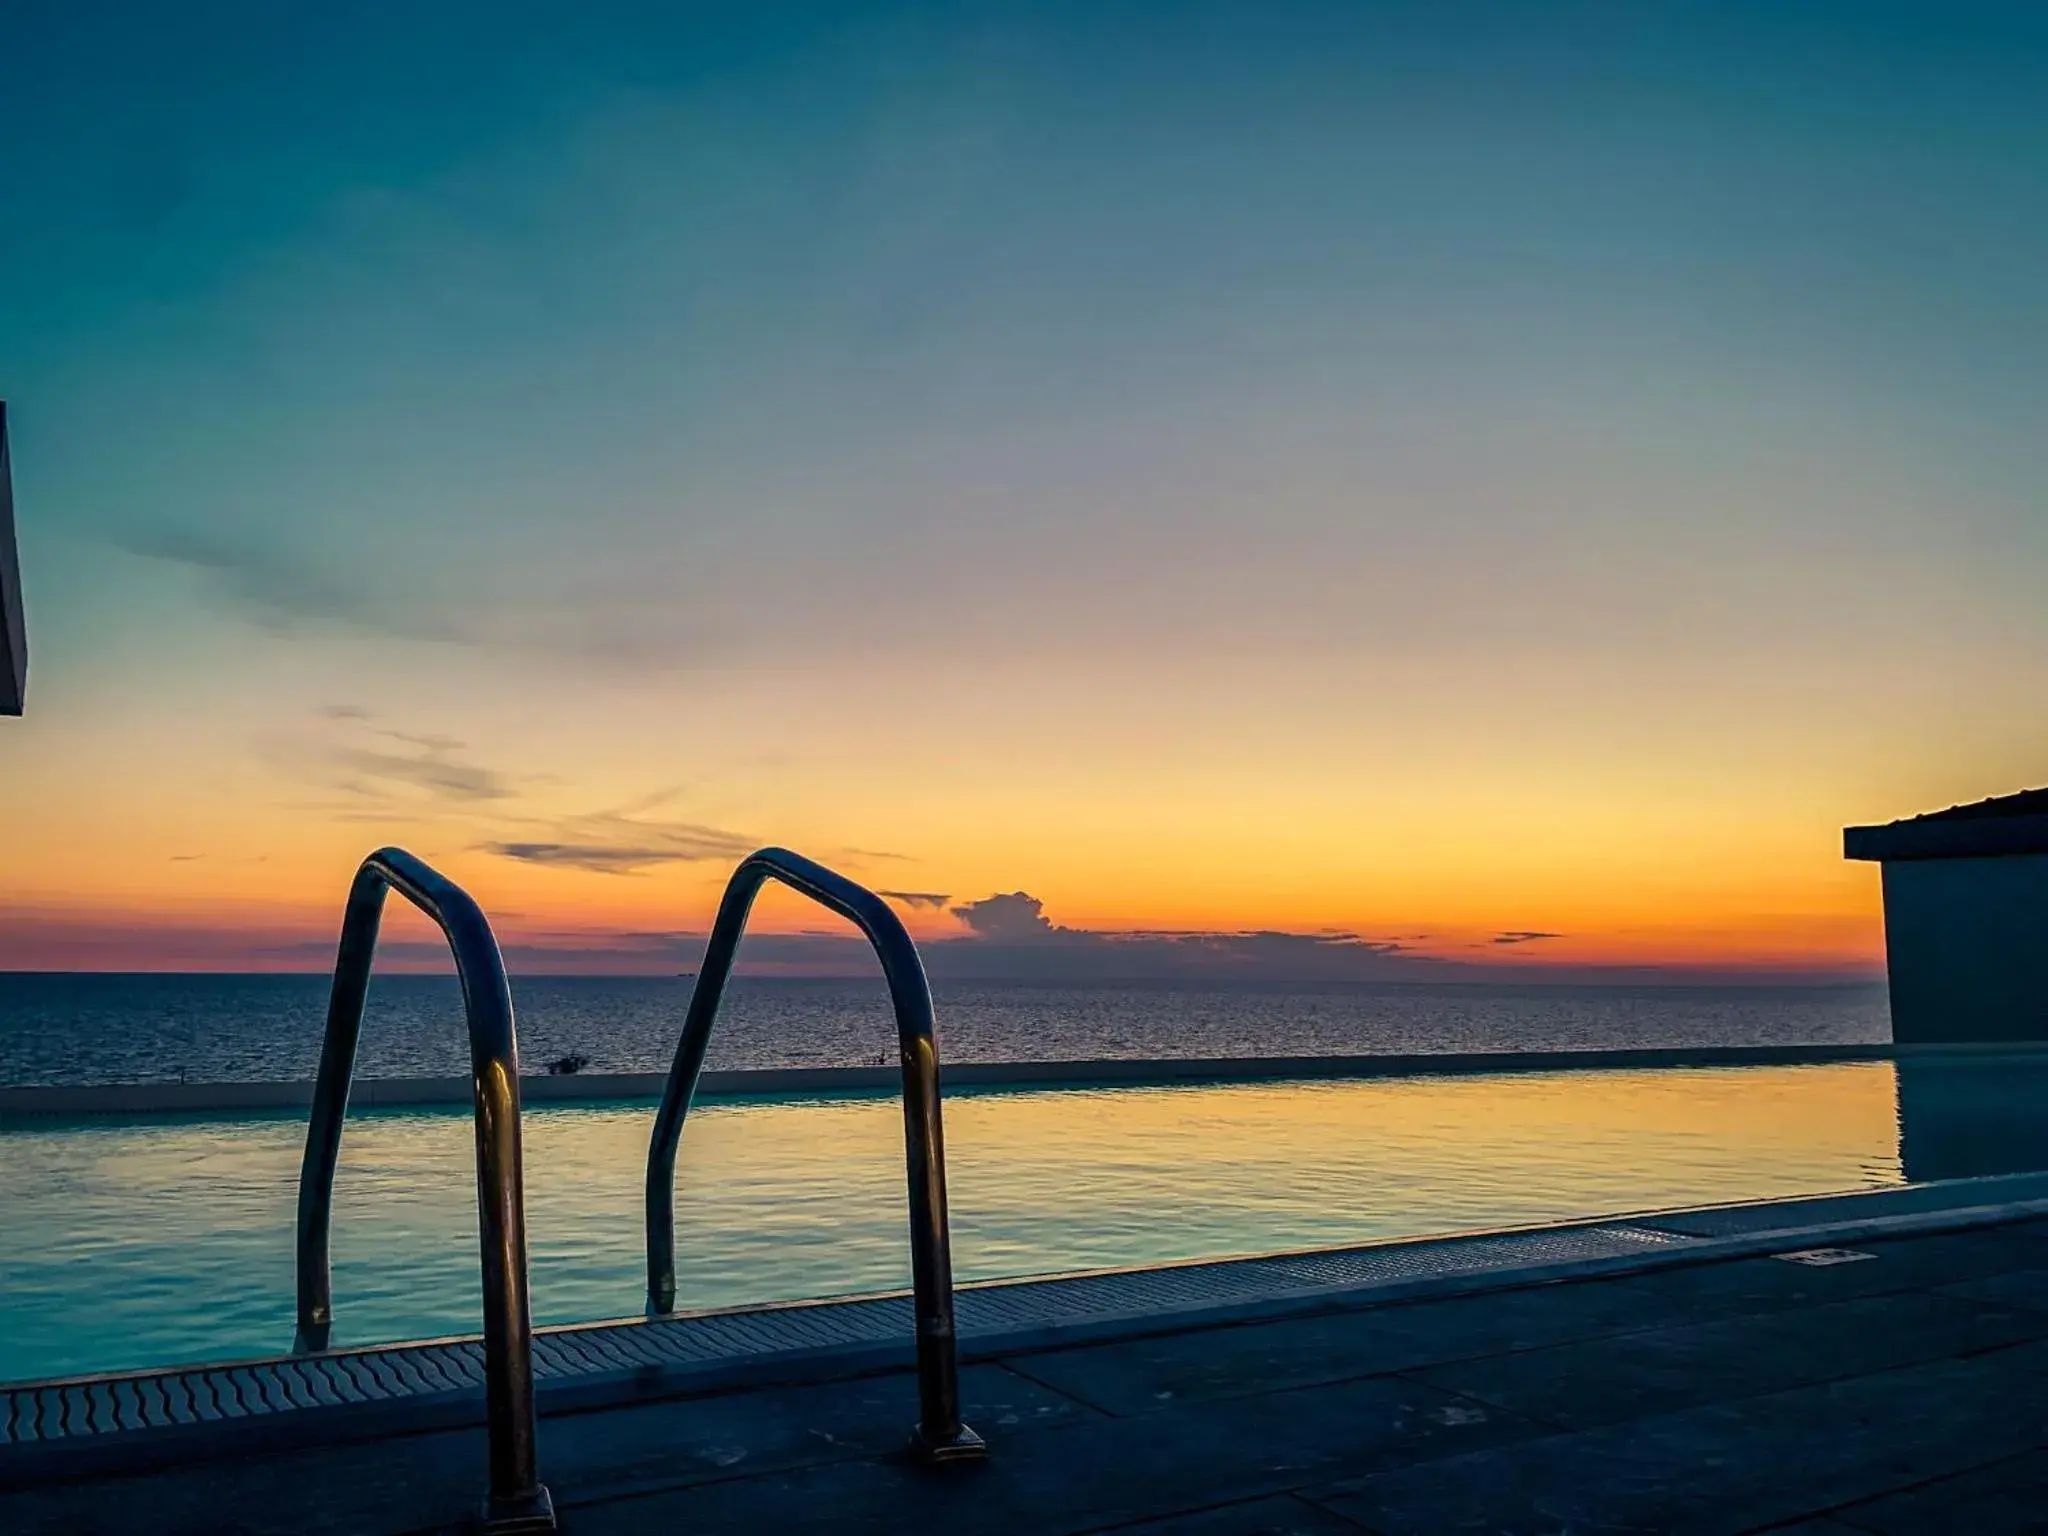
{"type": "Point", "coordinates": [182, 920]}
{"type": "Point", "coordinates": [240, 861]}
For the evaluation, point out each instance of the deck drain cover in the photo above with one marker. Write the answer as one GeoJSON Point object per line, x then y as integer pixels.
{"type": "Point", "coordinates": [1822, 1258]}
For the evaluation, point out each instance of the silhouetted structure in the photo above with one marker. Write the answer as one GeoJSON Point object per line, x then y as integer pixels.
{"type": "Point", "coordinates": [13, 629]}
{"type": "Point", "coordinates": [1965, 919]}
{"type": "Point", "coordinates": [1970, 1115]}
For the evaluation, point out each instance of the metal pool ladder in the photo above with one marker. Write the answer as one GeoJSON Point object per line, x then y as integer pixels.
{"type": "Point", "coordinates": [939, 1435]}
{"type": "Point", "coordinates": [517, 1500]}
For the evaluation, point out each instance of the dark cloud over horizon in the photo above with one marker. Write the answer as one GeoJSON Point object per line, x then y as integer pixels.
{"type": "Point", "coordinates": [1008, 918]}
{"type": "Point", "coordinates": [1011, 938]}
{"type": "Point", "coordinates": [31, 939]}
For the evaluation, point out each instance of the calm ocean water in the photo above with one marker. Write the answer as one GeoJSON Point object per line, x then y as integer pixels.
{"type": "Point", "coordinates": [99, 1028]}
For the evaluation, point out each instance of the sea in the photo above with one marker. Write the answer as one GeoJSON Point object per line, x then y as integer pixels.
{"type": "Point", "coordinates": [58, 1028]}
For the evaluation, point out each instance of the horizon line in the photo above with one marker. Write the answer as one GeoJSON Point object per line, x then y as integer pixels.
{"type": "Point", "coordinates": [1546, 975]}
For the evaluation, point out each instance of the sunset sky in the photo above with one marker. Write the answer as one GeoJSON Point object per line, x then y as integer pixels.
{"type": "Point", "coordinates": [1503, 485]}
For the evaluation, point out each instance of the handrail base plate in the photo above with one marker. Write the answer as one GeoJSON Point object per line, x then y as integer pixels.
{"type": "Point", "coordinates": [963, 1445]}
{"type": "Point", "coordinates": [518, 1516]}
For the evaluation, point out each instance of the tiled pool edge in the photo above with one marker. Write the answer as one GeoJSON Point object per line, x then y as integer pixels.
{"type": "Point", "coordinates": [606, 1087]}
{"type": "Point", "coordinates": [433, 1384]}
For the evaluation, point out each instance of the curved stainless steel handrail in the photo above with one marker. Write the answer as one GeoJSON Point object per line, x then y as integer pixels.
{"type": "Point", "coordinates": [939, 1436]}
{"type": "Point", "coordinates": [517, 1500]}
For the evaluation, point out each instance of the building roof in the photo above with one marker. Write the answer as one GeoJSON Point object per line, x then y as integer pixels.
{"type": "Point", "coordinates": [1983, 829]}
{"type": "Point", "coordinates": [2028, 802]}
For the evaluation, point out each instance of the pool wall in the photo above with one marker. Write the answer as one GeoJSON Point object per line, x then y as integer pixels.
{"type": "Point", "coordinates": [795, 1082]}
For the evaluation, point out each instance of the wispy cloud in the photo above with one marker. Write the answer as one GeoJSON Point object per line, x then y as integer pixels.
{"type": "Point", "coordinates": [371, 772]}
{"type": "Point", "coordinates": [675, 845]}
{"type": "Point", "coordinates": [284, 592]}
{"type": "Point", "coordinates": [622, 841]}
{"type": "Point", "coordinates": [428, 764]}
{"type": "Point", "coordinates": [375, 772]}
{"type": "Point", "coordinates": [932, 899]}
{"type": "Point", "coordinates": [295, 592]}
{"type": "Point", "coordinates": [594, 857]}
{"type": "Point", "coordinates": [1523, 936]}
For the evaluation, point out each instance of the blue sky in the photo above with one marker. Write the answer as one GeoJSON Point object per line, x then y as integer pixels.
{"type": "Point", "coordinates": [1624, 419]}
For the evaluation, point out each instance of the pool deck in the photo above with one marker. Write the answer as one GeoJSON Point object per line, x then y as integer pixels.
{"type": "Point", "coordinates": [1676, 1372]}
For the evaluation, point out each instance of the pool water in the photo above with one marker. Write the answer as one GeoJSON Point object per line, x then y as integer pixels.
{"type": "Point", "coordinates": [171, 1241]}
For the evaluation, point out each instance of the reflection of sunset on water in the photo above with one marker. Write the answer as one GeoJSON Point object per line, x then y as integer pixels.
{"type": "Point", "coordinates": [779, 1200]}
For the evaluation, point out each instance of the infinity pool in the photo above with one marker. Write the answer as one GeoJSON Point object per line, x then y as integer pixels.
{"type": "Point", "coordinates": [168, 1242]}
{"type": "Point", "coordinates": [171, 1241]}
